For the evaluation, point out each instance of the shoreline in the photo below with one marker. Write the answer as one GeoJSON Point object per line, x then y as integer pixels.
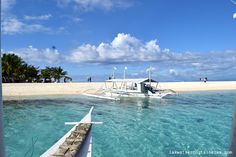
{"type": "Point", "coordinates": [15, 90]}
{"type": "Point", "coordinates": [39, 97]}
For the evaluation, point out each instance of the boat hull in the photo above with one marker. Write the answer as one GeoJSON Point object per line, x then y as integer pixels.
{"type": "Point", "coordinates": [135, 94]}
{"type": "Point", "coordinates": [86, 148]}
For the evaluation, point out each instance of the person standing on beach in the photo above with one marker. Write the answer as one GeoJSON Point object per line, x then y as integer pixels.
{"type": "Point", "coordinates": [89, 79]}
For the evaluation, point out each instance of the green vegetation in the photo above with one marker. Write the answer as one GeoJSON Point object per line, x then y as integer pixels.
{"type": "Point", "coordinates": [53, 74]}
{"type": "Point", "coordinates": [14, 69]}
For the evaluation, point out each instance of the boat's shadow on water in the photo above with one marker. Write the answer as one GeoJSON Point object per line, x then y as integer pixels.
{"type": "Point", "coordinates": [145, 103]}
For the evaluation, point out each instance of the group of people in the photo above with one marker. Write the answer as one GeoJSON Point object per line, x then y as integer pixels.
{"type": "Point", "coordinates": [204, 79]}
{"type": "Point", "coordinates": [89, 79]}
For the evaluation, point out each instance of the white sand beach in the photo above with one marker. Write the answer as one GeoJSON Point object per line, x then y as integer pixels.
{"type": "Point", "coordinates": [35, 89]}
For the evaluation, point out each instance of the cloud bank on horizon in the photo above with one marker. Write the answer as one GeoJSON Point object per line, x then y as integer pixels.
{"type": "Point", "coordinates": [124, 48]}
{"type": "Point", "coordinates": [127, 49]}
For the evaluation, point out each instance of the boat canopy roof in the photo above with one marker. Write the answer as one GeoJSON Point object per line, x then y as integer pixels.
{"type": "Point", "coordinates": [137, 80]}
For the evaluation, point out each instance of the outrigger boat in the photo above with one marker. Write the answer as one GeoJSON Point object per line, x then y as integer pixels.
{"type": "Point", "coordinates": [142, 87]}
{"type": "Point", "coordinates": [75, 143]}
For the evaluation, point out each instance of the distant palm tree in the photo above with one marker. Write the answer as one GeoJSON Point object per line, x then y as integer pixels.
{"type": "Point", "coordinates": [59, 73]}
{"type": "Point", "coordinates": [31, 73]}
{"type": "Point", "coordinates": [67, 79]}
{"type": "Point", "coordinates": [53, 73]}
{"type": "Point", "coordinates": [46, 74]}
{"type": "Point", "coordinates": [14, 69]}
{"type": "Point", "coordinates": [11, 67]}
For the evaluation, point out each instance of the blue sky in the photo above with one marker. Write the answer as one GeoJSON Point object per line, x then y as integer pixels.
{"type": "Point", "coordinates": [182, 40]}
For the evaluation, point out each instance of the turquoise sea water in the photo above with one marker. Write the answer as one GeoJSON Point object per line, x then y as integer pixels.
{"type": "Point", "coordinates": [132, 127]}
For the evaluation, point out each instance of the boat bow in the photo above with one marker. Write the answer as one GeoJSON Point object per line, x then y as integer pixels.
{"type": "Point", "coordinates": [78, 146]}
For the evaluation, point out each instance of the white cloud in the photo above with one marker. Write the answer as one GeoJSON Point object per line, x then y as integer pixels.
{"type": "Point", "coordinates": [41, 17]}
{"type": "Point", "coordinates": [150, 69]}
{"type": "Point", "coordinates": [61, 29]}
{"type": "Point", "coordinates": [234, 16]}
{"type": "Point", "coordinates": [7, 4]}
{"type": "Point", "coordinates": [84, 52]}
{"type": "Point", "coordinates": [173, 72]}
{"type": "Point", "coordinates": [12, 25]}
{"type": "Point", "coordinates": [34, 55]}
{"type": "Point", "coordinates": [76, 19]}
{"type": "Point", "coordinates": [123, 48]}
{"type": "Point", "coordinates": [63, 3]}
{"type": "Point", "coordinates": [126, 48]}
{"type": "Point", "coordinates": [197, 64]}
{"type": "Point", "coordinates": [88, 5]}
{"type": "Point", "coordinates": [70, 18]}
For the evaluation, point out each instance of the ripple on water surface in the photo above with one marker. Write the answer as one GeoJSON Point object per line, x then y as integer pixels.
{"type": "Point", "coordinates": [132, 127]}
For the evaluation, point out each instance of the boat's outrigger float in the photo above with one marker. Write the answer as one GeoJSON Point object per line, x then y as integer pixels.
{"type": "Point", "coordinates": [75, 143]}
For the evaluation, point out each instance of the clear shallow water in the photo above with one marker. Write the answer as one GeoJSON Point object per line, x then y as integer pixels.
{"type": "Point", "coordinates": [140, 128]}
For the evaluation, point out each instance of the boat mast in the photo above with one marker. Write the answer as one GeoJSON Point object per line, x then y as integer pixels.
{"type": "Point", "coordinates": [124, 77]}
{"type": "Point", "coordinates": [113, 73]}
{"type": "Point", "coordinates": [2, 153]}
{"type": "Point", "coordinates": [149, 75]}
{"type": "Point", "coordinates": [124, 71]}
{"type": "Point", "coordinates": [113, 76]}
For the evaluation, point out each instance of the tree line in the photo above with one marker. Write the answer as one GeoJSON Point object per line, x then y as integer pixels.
{"type": "Point", "coordinates": [15, 69]}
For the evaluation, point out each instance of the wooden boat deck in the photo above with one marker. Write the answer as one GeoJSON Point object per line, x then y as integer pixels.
{"type": "Point", "coordinates": [73, 144]}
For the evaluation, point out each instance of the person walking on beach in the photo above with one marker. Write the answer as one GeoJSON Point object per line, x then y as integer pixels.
{"type": "Point", "coordinates": [89, 79]}
{"type": "Point", "coordinates": [205, 79]}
